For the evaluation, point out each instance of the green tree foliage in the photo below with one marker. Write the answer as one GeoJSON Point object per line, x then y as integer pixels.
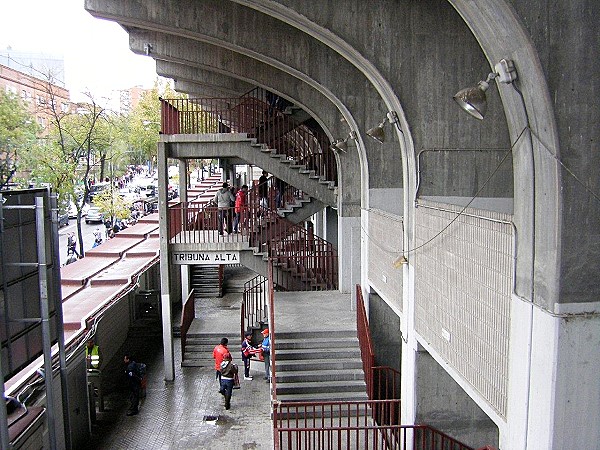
{"type": "Point", "coordinates": [143, 122]}
{"type": "Point", "coordinates": [17, 135]}
{"type": "Point", "coordinates": [112, 204]}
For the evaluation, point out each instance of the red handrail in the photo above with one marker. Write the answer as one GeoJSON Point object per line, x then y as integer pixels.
{"type": "Point", "coordinates": [306, 261]}
{"type": "Point", "coordinates": [187, 316]}
{"type": "Point", "coordinates": [256, 118]}
{"type": "Point", "coordinates": [353, 424]}
{"type": "Point", "coordinates": [365, 343]}
{"type": "Point", "coordinates": [254, 305]}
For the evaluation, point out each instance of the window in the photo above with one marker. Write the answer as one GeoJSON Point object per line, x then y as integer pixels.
{"type": "Point", "coordinates": [11, 90]}
{"type": "Point", "coordinates": [64, 107]}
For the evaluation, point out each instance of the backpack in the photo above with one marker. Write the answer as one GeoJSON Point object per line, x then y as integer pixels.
{"type": "Point", "coordinates": [141, 369]}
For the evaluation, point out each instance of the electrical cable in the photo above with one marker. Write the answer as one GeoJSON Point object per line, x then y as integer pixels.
{"type": "Point", "coordinates": [460, 213]}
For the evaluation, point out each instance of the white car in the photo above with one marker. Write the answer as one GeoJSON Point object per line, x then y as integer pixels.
{"type": "Point", "coordinates": [73, 211]}
{"type": "Point", "coordinates": [94, 215]}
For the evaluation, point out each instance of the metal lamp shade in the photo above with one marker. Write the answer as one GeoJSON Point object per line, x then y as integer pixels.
{"type": "Point", "coordinates": [377, 132]}
{"type": "Point", "coordinates": [473, 100]}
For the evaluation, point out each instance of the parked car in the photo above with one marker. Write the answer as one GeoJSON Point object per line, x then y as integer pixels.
{"type": "Point", "coordinates": [73, 211]}
{"type": "Point", "coordinates": [63, 219]}
{"type": "Point", "coordinates": [94, 215]}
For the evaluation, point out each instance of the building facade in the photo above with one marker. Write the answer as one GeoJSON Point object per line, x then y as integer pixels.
{"type": "Point", "coordinates": [36, 93]}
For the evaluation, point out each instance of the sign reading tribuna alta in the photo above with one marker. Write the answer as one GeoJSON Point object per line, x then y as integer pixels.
{"type": "Point", "coordinates": [208, 258]}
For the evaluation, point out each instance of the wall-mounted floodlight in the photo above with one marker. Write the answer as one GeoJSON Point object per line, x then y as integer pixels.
{"type": "Point", "coordinates": [342, 144]}
{"type": "Point", "coordinates": [473, 99]}
{"type": "Point", "coordinates": [378, 133]}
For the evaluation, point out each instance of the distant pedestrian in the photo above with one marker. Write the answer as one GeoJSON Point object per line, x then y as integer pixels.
{"type": "Point", "coordinates": [223, 199]}
{"type": "Point", "coordinates": [240, 208]}
{"type": "Point", "coordinates": [72, 245]}
{"type": "Point", "coordinates": [228, 374]}
{"type": "Point", "coordinates": [263, 191]}
{"type": "Point", "coordinates": [97, 238]}
{"type": "Point", "coordinates": [266, 352]}
{"type": "Point", "coordinates": [134, 380]}
{"type": "Point", "coordinates": [92, 355]}
{"type": "Point", "coordinates": [219, 353]}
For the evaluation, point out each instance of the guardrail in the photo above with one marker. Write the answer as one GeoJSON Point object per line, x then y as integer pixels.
{"type": "Point", "coordinates": [256, 118]}
{"type": "Point", "coordinates": [305, 261]}
{"type": "Point", "coordinates": [187, 316]}
{"type": "Point", "coordinates": [370, 424]}
{"type": "Point", "coordinates": [254, 304]}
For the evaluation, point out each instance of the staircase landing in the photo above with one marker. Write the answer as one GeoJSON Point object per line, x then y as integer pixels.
{"type": "Point", "coordinates": [314, 311]}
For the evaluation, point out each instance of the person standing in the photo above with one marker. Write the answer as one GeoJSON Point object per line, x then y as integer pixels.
{"type": "Point", "coordinates": [92, 355]}
{"type": "Point", "coordinates": [223, 199]}
{"type": "Point", "coordinates": [228, 374]}
{"type": "Point", "coordinates": [219, 353]}
{"type": "Point", "coordinates": [240, 207]}
{"type": "Point", "coordinates": [134, 380]}
{"type": "Point", "coordinates": [263, 192]}
{"type": "Point", "coordinates": [266, 352]}
{"type": "Point", "coordinates": [247, 351]}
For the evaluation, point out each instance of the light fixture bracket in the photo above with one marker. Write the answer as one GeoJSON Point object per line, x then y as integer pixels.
{"type": "Point", "coordinates": [505, 71]}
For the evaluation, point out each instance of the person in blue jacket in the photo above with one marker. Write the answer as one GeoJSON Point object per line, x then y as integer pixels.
{"type": "Point", "coordinates": [266, 352]}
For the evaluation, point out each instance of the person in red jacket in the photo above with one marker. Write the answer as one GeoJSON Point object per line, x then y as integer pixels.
{"type": "Point", "coordinates": [240, 207]}
{"type": "Point", "coordinates": [218, 354]}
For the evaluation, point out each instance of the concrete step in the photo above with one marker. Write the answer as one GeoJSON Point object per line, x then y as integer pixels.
{"type": "Point", "coordinates": [197, 363]}
{"type": "Point", "coordinates": [319, 342]}
{"type": "Point", "coordinates": [319, 375]}
{"type": "Point", "coordinates": [315, 397]}
{"type": "Point", "coordinates": [317, 364]}
{"type": "Point", "coordinates": [317, 353]}
{"type": "Point", "coordinates": [310, 334]}
{"type": "Point", "coordinates": [321, 387]}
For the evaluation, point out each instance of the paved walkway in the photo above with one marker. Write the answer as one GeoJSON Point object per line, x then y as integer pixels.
{"type": "Point", "coordinates": [189, 413]}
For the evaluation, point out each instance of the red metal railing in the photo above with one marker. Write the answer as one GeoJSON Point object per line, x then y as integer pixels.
{"type": "Point", "coordinates": [353, 425]}
{"type": "Point", "coordinates": [366, 345]}
{"type": "Point", "coordinates": [254, 305]}
{"type": "Point", "coordinates": [305, 261]}
{"type": "Point", "coordinates": [187, 316]}
{"type": "Point", "coordinates": [256, 118]}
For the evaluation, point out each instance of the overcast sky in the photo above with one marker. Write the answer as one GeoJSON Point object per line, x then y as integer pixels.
{"type": "Point", "coordinates": [96, 52]}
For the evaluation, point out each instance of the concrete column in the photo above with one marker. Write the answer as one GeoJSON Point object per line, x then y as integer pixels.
{"type": "Point", "coordinates": [319, 225]}
{"type": "Point", "coordinates": [330, 226]}
{"type": "Point", "coordinates": [185, 282]}
{"type": "Point", "coordinates": [564, 381]}
{"type": "Point", "coordinates": [183, 181]}
{"type": "Point", "coordinates": [165, 297]}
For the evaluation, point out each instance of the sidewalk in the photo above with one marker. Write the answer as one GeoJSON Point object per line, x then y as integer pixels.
{"type": "Point", "coordinates": [189, 413]}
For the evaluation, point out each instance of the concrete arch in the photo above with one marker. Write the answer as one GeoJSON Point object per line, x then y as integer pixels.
{"type": "Point", "coordinates": [120, 13]}
{"type": "Point", "coordinates": [488, 21]}
{"type": "Point", "coordinates": [199, 56]}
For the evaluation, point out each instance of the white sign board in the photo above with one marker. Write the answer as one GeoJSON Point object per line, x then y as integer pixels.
{"type": "Point", "coordinates": [211, 258]}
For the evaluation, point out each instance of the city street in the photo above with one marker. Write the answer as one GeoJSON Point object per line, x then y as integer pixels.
{"type": "Point", "coordinates": [88, 230]}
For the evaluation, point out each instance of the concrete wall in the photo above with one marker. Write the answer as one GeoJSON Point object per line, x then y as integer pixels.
{"type": "Point", "coordinates": [384, 323]}
{"type": "Point", "coordinates": [444, 405]}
